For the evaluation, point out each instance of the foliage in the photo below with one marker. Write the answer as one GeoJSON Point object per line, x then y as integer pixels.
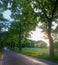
{"type": "Point", "coordinates": [27, 14]}
{"type": "Point", "coordinates": [56, 45]}
{"type": "Point", "coordinates": [1, 12]}
{"type": "Point", "coordinates": [41, 44]}
{"type": "Point", "coordinates": [47, 13]}
{"type": "Point", "coordinates": [8, 40]}
{"type": "Point", "coordinates": [30, 43]}
{"type": "Point", "coordinates": [23, 20]}
{"type": "Point", "coordinates": [34, 44]}
{"type": "Point", "coordinates": [2, 25]}
{"type": "Point", "coordinates": [56, 30]}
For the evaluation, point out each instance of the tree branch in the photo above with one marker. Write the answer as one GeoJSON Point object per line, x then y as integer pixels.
{"type": "Point", "coordinates": [42, 7]}
{"type": "Point", "coordinates": [56, 16]}
{"type": "Point", "coordinates": [55, 6]}
{"type": "Point", "coordinates": [43, 10]}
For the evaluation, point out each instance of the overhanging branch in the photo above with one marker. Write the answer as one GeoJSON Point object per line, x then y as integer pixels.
{"type": "Point", "coordinates": [55, 6]}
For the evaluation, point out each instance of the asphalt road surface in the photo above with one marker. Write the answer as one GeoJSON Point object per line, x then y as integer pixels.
{"type": "Point", "coordinates": [12, 58]}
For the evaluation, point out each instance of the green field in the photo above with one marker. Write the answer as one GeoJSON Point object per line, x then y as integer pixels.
{"type": "Point", "coordinates": [40, 53]}
{"type": "Point", "coordinates": [35, 51]}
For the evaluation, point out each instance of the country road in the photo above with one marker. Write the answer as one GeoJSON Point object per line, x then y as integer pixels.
{"type": "Point", "coordinates": [12, 58]}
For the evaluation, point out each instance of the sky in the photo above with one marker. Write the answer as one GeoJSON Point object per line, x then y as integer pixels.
{"type": "Point", "coordinates": [38, 35]}
{"type": "Point", "coordinates": [7, 14]}
{"type": "Point", "coordinates": [35, 35]}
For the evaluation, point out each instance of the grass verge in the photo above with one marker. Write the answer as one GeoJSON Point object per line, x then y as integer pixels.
{"type": "Point", "coordinates": [0, 55]}
{"type": "Point", "coordinates": [40, 53]}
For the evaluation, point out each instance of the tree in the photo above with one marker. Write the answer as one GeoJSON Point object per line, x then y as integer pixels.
{"type": "Point", "coordinates": [15, 30]}
{"type": "Point", "coordinates": [2, 24]}
{"type": "Point", "coordinates": [22, 23]}
{"type": "Point", "coordinates": [47, 13]}
{"type": "Point", "coordinates": [41, 44]}
{"type": "Point", "coordinates": [30, 43]}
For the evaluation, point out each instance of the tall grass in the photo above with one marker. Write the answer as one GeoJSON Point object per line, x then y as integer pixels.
{"type": "Point", "coordinates": [41, 53]}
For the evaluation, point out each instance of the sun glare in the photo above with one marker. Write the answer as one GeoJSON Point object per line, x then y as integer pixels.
{"type": "Point", "coordinates": [38, 35]}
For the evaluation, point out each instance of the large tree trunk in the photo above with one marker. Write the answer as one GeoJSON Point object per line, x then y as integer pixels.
{"type": "Point", "coordinates": [51, 45]}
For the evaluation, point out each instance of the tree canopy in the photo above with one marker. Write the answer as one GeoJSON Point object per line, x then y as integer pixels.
{"type": "Point", "coordinates": [26, 15]}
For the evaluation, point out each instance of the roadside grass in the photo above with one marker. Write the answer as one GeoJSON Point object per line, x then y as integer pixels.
{"type": "Point", "coordinates": [35, 51]}
{"type": "Point", "coordinates": [0, 55]}
{"type": "Point", "coordinates": [41, 53]}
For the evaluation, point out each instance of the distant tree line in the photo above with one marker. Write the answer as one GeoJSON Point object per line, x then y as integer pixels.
{"type": "Point", "coordinates": [35, 44]}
